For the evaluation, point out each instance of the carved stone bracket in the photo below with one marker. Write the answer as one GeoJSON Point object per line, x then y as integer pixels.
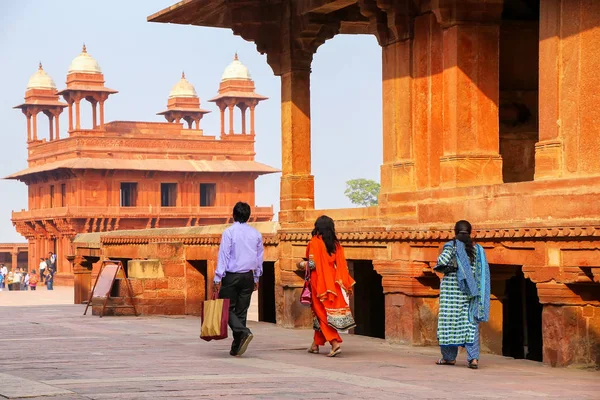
{"type": "Point", "coordinates": [287, 38]}
{"type": "Point", "coordinates": [457, 12]}
{"type": "Point", "coordinates": [409, 278]}
{"type": "Point", "coordinates": [563, 274]}
{"type": "Point", "coordinates": [391, 20]}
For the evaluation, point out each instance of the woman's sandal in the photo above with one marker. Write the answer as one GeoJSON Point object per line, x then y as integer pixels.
{"type": "Point", "coordinates": [441, 361]}
{"type": "Point", "coordinates": [335, 352]}
{"type": "Point", "coordinates": [313, 350]}
{"type": "Point", "coordinates": [473, 365]}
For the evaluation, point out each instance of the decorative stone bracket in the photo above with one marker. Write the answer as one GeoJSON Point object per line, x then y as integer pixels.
{"type": "Point", "coordinates": [409, 278]}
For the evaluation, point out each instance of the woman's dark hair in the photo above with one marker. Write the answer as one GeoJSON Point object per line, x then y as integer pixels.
{"type": "Point", "coordinates": [241, 212]}
{"type": "Point", "coordinates": [325, 227]}
{"type": "Point", "coordinates": [462, 230]}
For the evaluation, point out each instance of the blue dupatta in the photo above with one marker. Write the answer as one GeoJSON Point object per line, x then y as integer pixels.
{"type": "Point", "coordinates": [476, 286]}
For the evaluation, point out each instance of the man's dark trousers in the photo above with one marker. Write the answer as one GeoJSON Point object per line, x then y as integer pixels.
{"type": "Point", "coordinates": [238, 288]}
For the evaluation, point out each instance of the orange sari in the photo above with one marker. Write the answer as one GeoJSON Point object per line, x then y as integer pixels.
{"type": "Point", "coordinates": [330, 309]}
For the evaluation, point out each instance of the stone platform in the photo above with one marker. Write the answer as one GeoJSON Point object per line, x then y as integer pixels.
{"type": "Point", "coordinates": [53, 351]}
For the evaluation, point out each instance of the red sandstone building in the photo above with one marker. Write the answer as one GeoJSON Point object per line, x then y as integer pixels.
{"type": "Point", "coordinates": [490, 113]}
{"type": "Point", "coordinates": [131, 175]}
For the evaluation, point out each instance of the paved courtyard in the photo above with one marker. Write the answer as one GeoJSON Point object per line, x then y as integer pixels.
{"type": "Point", "coordinates": [50, 350]}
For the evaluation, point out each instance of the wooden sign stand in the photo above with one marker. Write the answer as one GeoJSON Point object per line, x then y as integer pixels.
{"type": "Point", "coordinates": [109, 271]}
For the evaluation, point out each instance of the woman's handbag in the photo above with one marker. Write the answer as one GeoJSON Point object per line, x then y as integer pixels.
{"type": "Point", "coordinates": [447, 269]}
{"type": "Point", "coordinates": [306, 296]}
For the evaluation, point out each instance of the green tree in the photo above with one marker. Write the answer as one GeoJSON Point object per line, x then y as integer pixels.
{"type": "Point", "coordinates": [363, 192]}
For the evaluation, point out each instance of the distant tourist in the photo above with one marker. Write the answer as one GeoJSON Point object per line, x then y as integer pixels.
{"type": "Point", "coordinates": [9, 280]}
{"type": "Point", "coordinates": [238, 271]}
{"type": "Point", "coordinates": [43, 266]}
{"type": "Point", "coordinates": [16, 279]}
{"type": "Point", "coordinates": [329, 277]}
{"type": "Point", "coordinates": [33, 280]}
{"type": "Point", "coordinates": [25, 282]}
{"type": "Point", "coordinates": [50, 278]}
{"type": "Point", "coordinates": [52, 259]}
{"type": "Point", "coordinates": [464, 296]}
{"type": "Point", "coordinates": [1, 281]}
{"type": "Point", "coordinates": [4, 273]}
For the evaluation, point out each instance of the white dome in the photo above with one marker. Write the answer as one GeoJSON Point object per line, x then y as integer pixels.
{"type": "Point", "coordinates": [84, 63]}
{"type": "Point", "coordinates": [236, 70]}
{"type": "Point", "coordinates": [183, 88]}
{"type": "Point", "coordinates": [41, 80]}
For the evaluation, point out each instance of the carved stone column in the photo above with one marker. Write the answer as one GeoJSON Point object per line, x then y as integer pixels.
{"type": "Point", "coordinates": [411, 302]}
{"type": "Point", "coordinates": [568, 111]}
{"type": "Point", "coordinates": [471, 91]}
{"type": "Point", "coordinates": [571, 314]}
{"type": "Point", "coordinates": [393, 23]}
{"type": "Point", "coordinates": [14, 259]}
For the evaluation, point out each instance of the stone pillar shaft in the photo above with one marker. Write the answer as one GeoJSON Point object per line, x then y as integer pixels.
{"type": "Point", "coordinates": [297, 183]}
{"type": "Point", "coordinates": [35, 126]}
{"type": "Point", "coordinates": [101, 114]}
{"type": "Point", "coordinates": [57, 118]}
{"type": "Point", "coordinates": [471, 95]}
{"type": "Point", "coordinates": [252, 120]}
{"type": "Point", "coordinates": [568, 113]}
{"type": "Point", "coordinates": [77, 115]}
{"type": "Point", "coordinates": [398, 173]}
{"type": "Point", "coordinates": [231, 106]}
{"type": "Point", "coordinates": [28, 127]}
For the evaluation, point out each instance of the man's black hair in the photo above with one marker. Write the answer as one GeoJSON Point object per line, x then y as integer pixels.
{"type": "Point", "coordinates": [241, 212]}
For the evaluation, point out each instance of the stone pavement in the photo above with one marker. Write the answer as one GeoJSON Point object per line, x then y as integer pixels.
{"type": "Point", "coordinates": [53, 351]}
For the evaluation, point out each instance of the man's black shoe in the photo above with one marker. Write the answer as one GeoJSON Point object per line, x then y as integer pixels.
{"type": "Point", "coordinates": [244, 342]}
{"type": "Point", "coordinates": [234, 348]}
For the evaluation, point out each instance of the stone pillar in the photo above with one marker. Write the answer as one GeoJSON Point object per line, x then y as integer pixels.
{"type": "Point", "coordinates": [34, 116]}
{"type": "Point", "coordinates": [101, 114]}
{"type": "Point", "coordinates": [57, 118]}
{"type": "Point", "coordinates": [94, 114]}
{"type": "Point", "coordinates": [568, 110]}
{"type": "Point", "coordinates": [252, 106]}
{"type": "Point", "coordinates": [70, 115]}
{"type": "Point", "coordinates": [570, 324]}
{"type": "Point", "coordinates": [51, 127]}
{"type": "Point", "coordinates": [77, 115]}
{"type": "Point", "coordinates": [288, 288]}
{"type": "Point", "coordinates": [411, 302]}
{"type": "Point", "coordinates": [427, 100]}
{"type": "Point", "coordinates": [222, 109]}
{"type": "Point", "coordinates": [28, 127]}
{"type": "Point", "coordinates": [398, 170]}
{"type": "Point", "coordinates": [14, 259]}
{"type": "Point", "coordinates": [243, 108]}
{"type": "Point", "coordinates": [231, 106]}
{"type": "Point", "coordinates": [297, 183]}
{"type": "Point", "coordinates": [471, 92]}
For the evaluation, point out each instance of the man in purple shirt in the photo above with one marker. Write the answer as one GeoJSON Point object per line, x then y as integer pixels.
{"type": "Point", "coordinates": [238, 271]}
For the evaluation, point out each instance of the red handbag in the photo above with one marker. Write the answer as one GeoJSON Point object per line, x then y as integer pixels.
{"type": "Point", "coordinates": [306, 296]}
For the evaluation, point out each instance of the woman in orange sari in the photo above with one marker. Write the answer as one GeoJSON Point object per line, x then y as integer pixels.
{"type": "Point", "coordinates": [328, 277]}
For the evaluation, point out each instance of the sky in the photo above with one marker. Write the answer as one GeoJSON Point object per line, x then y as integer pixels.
{"type": "Point", "coordinates": [144, 60]}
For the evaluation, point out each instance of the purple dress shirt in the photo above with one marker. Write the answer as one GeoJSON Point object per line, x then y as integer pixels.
{"type": "Point", "coordinates": [241, 251]}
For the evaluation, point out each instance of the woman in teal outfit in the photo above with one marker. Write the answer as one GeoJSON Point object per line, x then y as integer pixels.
{"type": "Point", "coordinates": [464, 296]}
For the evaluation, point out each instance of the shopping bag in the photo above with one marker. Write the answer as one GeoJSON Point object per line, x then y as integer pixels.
{"type": "Point", "coordinates": [215, 316]}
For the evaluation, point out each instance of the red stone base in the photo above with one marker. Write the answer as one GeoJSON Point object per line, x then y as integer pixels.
{"type": "Point", "coordinates": [571, 335]}
{"type": "Point", "coordinates": [64, 279]}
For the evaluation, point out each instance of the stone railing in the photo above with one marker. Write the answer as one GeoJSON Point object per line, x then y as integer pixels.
{"type": "Point", "coordinates": [134, 212]}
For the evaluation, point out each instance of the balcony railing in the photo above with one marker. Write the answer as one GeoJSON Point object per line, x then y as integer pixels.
{"type": "Point", "coordinates": [134, 212]}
